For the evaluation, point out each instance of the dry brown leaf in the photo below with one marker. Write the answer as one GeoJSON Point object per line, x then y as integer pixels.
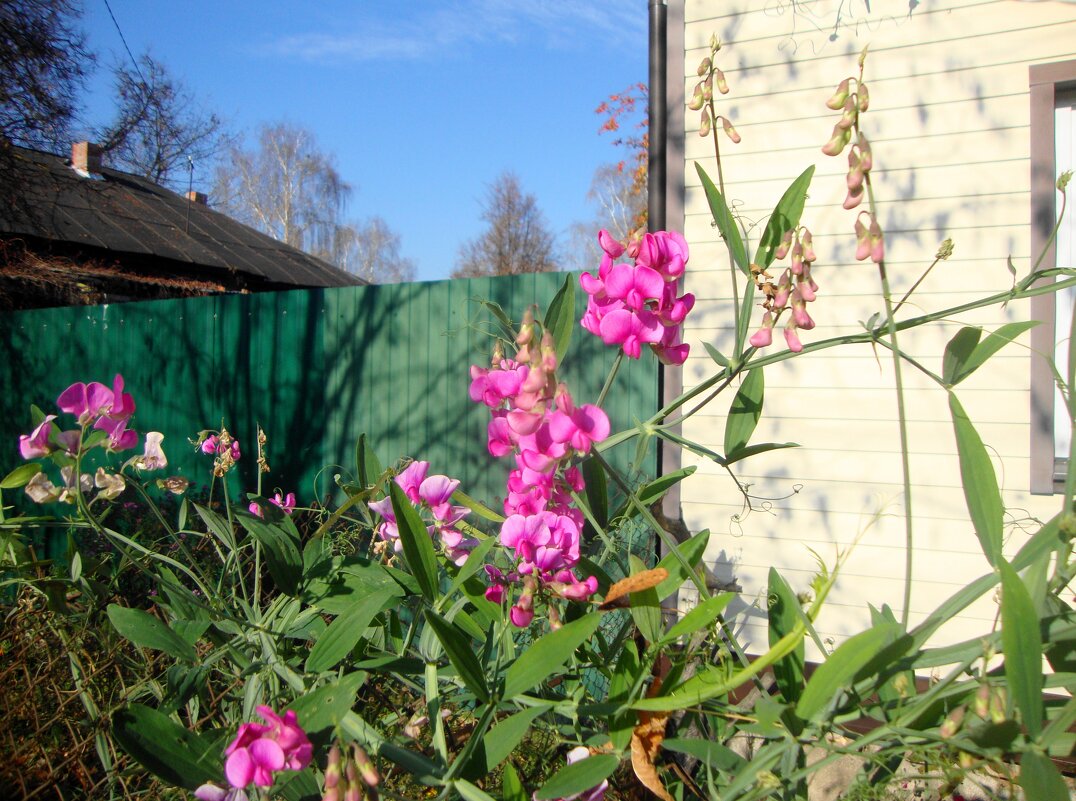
{"type": "Point", "coordinates": [647, 737]}
{"type": "Point", "coordinates": [642, 580]}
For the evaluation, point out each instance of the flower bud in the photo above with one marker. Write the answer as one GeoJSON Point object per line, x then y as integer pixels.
{"type": "Point", "coordinates": [951, 725]}
{"type": "Point", "coordinates": [806, 288]}
{"type": "Point", "coordinates": [704, 124]}
{"type": "Point", "coordinates": [705, 66]}
{"type": "Point", "coordinates": [786, 243]}
{"type": "Point", "coordinates": [697, 98]}
{"type": "Point", "coordinates": [1063, 180]}
{"type": "Point", "coordinates": [837, 141]}
{"type": "Point", "coordinates": [863, 245]}
{"type": "Point", "coordinates": [722, 84]}
{"type": "Point", "coordinates": [863, 96]}
{"type": "Point", "coordinates": [836, 101]}
{"type": "Point", "coordinates": [866, 161]}
{"type": "Point", "coordinates": [998, 705]}
{"type": "Point", "coordinates": [332, 768]}
{"type": "Point", "coordinates": [797, 259]}
{"type": "Point", "coordinates": [366, 768]}
{"type": "Point", "coordinates": [708, 88]}
{"type": "Point", "coordinates": [715, 43]}
{"type": "Point", "coordinates": [945, 250]}
{"type": "Point", "coordinates": [855, 195]}
{"type": "Point", "coordinates": [764, 336]}
{"type": "Point", "coordinates": [808, 249]}
{"type": "Point", "coordinates": [730, 131]}
{"type": "Point", "coordinates": [849, 116]}
{"type": "Point", "coordinates": [877, 243]}
{"type": "Point", "coordinates": [981, 704]}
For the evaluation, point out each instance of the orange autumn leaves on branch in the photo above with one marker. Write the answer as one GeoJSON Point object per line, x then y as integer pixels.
{"type": "Point", "coordinates": [624, 113]}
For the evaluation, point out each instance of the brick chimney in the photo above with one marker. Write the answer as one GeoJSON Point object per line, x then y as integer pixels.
{"type": "Point", "coordinates": [198, 197]}
{"type": "Point", "coordinates": [86, 158]}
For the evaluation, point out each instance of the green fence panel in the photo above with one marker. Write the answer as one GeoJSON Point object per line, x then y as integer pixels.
{"type": "Point", "coordinates": [315, 368]}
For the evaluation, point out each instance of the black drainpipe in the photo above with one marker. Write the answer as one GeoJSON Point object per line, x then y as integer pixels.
{"type": "Point", "coordinates": [656, 109]}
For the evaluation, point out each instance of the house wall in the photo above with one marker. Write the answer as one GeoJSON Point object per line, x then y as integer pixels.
{"type": "Point", "coordinates": [949, 126]}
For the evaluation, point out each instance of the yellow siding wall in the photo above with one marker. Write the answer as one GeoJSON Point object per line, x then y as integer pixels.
{"type": "Point", "coordinates": [949, 125]}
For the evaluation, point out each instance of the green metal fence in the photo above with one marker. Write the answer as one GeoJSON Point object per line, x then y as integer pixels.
{"type": "Point", "coordinates": [315, 368]}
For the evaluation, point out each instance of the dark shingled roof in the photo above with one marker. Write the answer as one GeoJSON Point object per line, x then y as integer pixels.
{"type": "Point", "coordinates": [125, 214]}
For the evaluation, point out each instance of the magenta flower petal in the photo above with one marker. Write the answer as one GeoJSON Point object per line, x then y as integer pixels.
{"type": "Point", "coordinates": [239, 768]}
{"type": "Point", "coordinates": [436, 490]}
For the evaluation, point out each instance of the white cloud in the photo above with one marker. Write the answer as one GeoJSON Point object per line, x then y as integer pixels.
{"type": "Point", "coordinates": [401, 32]}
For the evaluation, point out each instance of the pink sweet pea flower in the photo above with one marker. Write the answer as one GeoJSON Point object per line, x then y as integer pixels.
{"type": "Point", "coordinates": [86, 401]}
{"type": "Point", "coordinates": [123, 404]}
{"type": "Point", "coordinates": [286, 503]}
{"type": "Point", "coordinates": [210, 444]}
{"type": "Point", "coordinates": [259, 751]}
{"type": "Point", "coordinates": [37, 443]}
{"type": "Point", "coordinates": [120, 438]}
{"type": "Point", "coordinates": [634, 285]}
{"type": "Point", "coordinates": [577, 427]}
{"type": "Point", "coordinates": [631, 330]}
{"type": "Point", "coordinates": [212, 792]}
{"type": "Point", "coordinates": [596, 793]}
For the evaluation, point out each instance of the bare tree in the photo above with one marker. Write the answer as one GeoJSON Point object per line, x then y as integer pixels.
{"type": "Point", "coordinates": [617, 209]}
{"type": "Point", "coordinates": [285, 187]}
{"type": "Point", "coordinates": [371, 250]}
{"type": "Point", "coordinates": [288, 188]}
{"type": "Point", "coordinates": [159, 129]}
{"type": "Point", "coordinates": [43, 65]}
{"type": "Point", "coordinates": [517, 238]}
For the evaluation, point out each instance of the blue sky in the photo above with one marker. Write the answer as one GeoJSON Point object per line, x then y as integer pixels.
{"type": "Point", "coordinates": [422, 103]}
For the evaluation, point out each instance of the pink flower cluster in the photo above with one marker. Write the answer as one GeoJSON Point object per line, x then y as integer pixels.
{"type": "Point", "coordinates": [535, 419]}
{"type": "Point", "coordinates": [431, 494]}
{"type": "Point", "coordinates": [287, 504]}
{"type": "Point", "coordinates": [792, 292]}
{"type": "Point", "coordinates": [635, 304]}
{"type": "Point", "coordinates": [261, 750]}
{"type": "Point", "coordinates": [213, 446]}
{"type": "Point", "coordinates": [95, 405]}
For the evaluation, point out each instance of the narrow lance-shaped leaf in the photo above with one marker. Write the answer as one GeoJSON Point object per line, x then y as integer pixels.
{"type": "Point", "coordinates": [164, 747]}
{"type": "Point", "coordinates": [458, 647]}
{"type": "Point", "coordinates": [559, 318]}
{"type": "Point", "coordinates": [577, 777]}
{"type": "Point", "coordinates": [417, 547]}
{"type": "Point", "coordinates": [726, 223]}
{"type": "Point", "coordinates": [783, 612]}
{"type": "Point", "coordinates": [745, 413]}
{"type": "Point", "coordinates": [145, 630]}
{"type": "Point", "coordinates": [547, 654]}
{"type": "Point", "coordinates": [980, 483]}
{"type": "Point", "coordinates": [282, 556]}
{"type": "Point", "coordinates": [841, 667]}
{"type": "Point", "coordinates": [344, 633]}
{"type": "Point", "coordinates": [786, 216]}
{"type": "Point", "coordinates": [1022, 644]}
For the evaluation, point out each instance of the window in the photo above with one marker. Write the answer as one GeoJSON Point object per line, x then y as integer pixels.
{"type": "Point", "coordinates": [1053, 146]}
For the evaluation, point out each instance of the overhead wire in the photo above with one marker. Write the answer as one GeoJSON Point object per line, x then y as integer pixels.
{"type": "Point", "coordinates": [123, 39]}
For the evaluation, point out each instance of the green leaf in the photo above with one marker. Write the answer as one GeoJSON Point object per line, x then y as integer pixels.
{"type": "Point", "coordinates": [145, 630]}
{"type": "Point", "coordinates": [367, 463]}
{"type": "Point", "coordinates": [559, 318]}
{"type": "Point", "coordinates": [20, 476]}
{"type": "Point", "coordinates": [473, 564]}
{"type": "Point", "coordinates": [417, 547]}
{"type": "Point", "coordinates": [726, 223]}
{"type": "Point", "coordinates": [575, 778]}
{"type": "Point", "coordinates": [479, 508]}
{"type": "Point", "coordinates": [299, 786]}
{"type": "Point", "coordinates": [745, 412]}
{"type": "Point", "coordinates": [702, 615]}
{"type": "Point", "coordinates": [501, 740]}
{"type": "Point", "coordinates": [165, 748]}
{"type": "Point", "coordinates": [645, 606]}
{"type": "Point", "coordinates": [345, 632]}
{"type": "Point", "coordinates": [597, 490]}
{"type": "Point", "coordinates": [547, 654]}
{"type": "Point", "coordinates": [713, 754]}
{"type": "Point", "coordinates": [653, 490]}
{"type": "Point", "coordinates": [460, 653]}
{"type": "Point", "coordinates": [281, 550]}
{"type": "Point", "coordinates": [511, 787]}
{"type": "Point", "coordinates": [1040, 778]}
{"type": "Point", "coordinates": [962, 362]}
{"type": "Point", "coordinates": [716, 355]}
{"type": "Point", "coordinates": [328, 705]}
{"type": "Point", "coordinates": [784, 613]}
{"type": "Point", "coordinates": [1022, 646]}
{"type": "Point", "coordinates": [217, 525]}
{"type": "Point", "coordinates": [692, 552]}
{"type": "Point", "coordinates": [754, 450]}
{"type": "Point", "coordinates": [786, 216]}
{"type": "Point", "coordinates": [508, 328]}
{"type": "Point", "coordinates": [980, 483]}
{"type": "Point", "coordinates": [468, 792]}
{"type": "Point", "coordinates": [623, 680]}
{"type": "Point", "coordinates": [841, 667]}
